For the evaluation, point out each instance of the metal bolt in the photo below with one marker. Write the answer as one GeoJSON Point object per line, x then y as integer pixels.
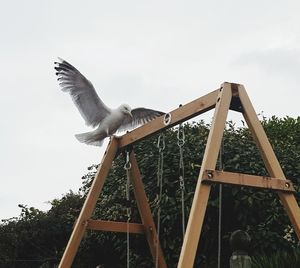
{"type": "Point", "coordinates": [210, 175]}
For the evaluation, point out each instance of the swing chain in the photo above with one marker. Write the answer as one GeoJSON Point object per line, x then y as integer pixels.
{"type": "Point", "coordinates": [161, 145]}
{"type": "Point", "coordinates": [127, 167]}
{"type": "Point", "coordinates": [180, 143]}
{"type": "Point", "coordinates": [180, 136]}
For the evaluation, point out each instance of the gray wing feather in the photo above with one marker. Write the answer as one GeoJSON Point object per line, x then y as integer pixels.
{"type": "Point", "coordinates": [140, 116]}
{"type": "Point", "coordinates": [83, 94]}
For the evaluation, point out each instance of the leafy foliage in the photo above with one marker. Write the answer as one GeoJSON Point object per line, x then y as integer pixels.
{"type": "Point", "coordinates": [260, 213]}
{"type": "Point", "coordinates": [38, 237]}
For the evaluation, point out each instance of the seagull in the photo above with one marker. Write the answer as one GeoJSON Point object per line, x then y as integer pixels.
{"type": "Point", "coordinates": [95, 113]}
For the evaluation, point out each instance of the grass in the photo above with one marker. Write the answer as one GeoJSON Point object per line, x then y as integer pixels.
{"type": "Point", "coordinates": [279, 259]}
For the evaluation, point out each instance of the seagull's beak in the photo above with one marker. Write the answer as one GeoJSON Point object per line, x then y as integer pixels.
{"type": "Point", "coordinates": [130, 114]}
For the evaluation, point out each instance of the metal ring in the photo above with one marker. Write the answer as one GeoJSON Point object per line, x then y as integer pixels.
{"type": "Point", "coordinates": [167, 119]}
{"type": "Point", "coordinates": [127, 166]}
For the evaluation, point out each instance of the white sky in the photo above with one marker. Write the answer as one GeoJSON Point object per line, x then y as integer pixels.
{"type": "Point", "coordinates": [155, 54]}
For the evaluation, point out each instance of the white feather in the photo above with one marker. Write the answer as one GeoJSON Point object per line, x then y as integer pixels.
{"type": "Point", "coordinates": [94, 111]}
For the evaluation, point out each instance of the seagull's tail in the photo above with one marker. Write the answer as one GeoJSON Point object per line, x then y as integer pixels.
{"type": "Point", "coordinates": [90, 138]}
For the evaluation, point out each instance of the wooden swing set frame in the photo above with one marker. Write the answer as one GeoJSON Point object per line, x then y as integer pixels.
{"type": "Point", "coordinates": [229, 96]}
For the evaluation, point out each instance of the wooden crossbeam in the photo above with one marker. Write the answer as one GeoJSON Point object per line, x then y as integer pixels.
{"type": "Point", "coordinates": [183, 113]}
{"type": "Point", "coordinates": [216, 176]}
{"type": "Point", "coordinates": [114, 226]}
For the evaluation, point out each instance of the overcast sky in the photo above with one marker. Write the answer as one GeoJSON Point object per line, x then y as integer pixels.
{"type": "Point", "coordinates": [155, 54]}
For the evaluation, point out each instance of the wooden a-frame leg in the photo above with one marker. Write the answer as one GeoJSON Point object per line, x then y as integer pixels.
{"type": "Point", "coordinates": [145, 212]}
{"type": "Point", "coordinates": [89, 205]}
{"type": "Point", "coordinates": [288, 199]}
{"type": "Point", "coordinates": [202, 191]}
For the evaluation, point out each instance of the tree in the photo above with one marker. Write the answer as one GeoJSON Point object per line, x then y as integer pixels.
{"type": "Point", "coordinates": [41, 236]}
{"type": "Point", "coordinates": [36, 237]}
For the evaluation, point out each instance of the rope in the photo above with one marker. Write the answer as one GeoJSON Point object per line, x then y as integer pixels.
{"type": "Point", "coordinates": [220, 164]}
{"type": "Point", "coordinates": [127, 167]}
{"type": "Point", "coordinates": [180, 143]}
{"type": "Point", "coordinates": [161, 146]}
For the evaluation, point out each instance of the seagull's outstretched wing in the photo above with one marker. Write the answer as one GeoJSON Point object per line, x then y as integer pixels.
{"type": "Point", "coordinates": [83, 94]}
{"type": "Point", "coordinates": [139, 116]}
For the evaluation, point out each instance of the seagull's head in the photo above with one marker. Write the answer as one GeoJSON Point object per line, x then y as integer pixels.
{"type": "Point", "coordinates": [125, 109]}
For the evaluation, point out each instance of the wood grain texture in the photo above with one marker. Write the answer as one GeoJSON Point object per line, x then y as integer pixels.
{"type": "Point", "coordinates": [216, 176]}
{"type": "Point", "coordinates": [202, 191]}
{"type": "Point", "coordinates": [145, 212]}
{"type": "Point", "coordinates": [89, 205]}
{"type": "Point", "coordinates": [178, 115]}
{"type": "Point", "coordinates": [113, 226]}
{"type": "Point", "coordinates": [271, 162]}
